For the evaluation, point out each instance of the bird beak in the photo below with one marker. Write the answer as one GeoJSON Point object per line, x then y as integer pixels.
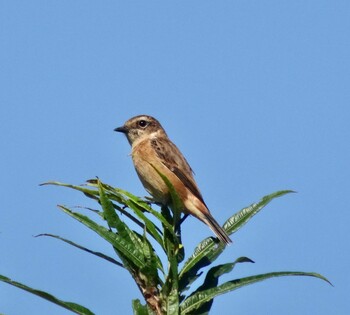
{"type": "Point", "coordinates": [122, 129]}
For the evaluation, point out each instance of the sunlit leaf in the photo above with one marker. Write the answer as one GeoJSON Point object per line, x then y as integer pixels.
{"type": "Point", "coordinates": [204, 254]}
{"type": "Point", "coordinates": [195, 301]}
{"type": "Point", "coordinates": [212, 280]}
{"type": "Point", "coordinates": [114, 221]}
{"type": "Point", "coordinates": [127, 248]}
{"type": "Point", "coordinates": [239, 219]}
{"type": "Point", "coordinates": [138, 256]}
{"type": "Point", "coordinates": [208, 250]}
{"type": "Point", "coordinates": [85, 190]}
{"type": "Point", "coordinates": [153, 263]}
{"type": "Point", "coordinates": [138, 206]}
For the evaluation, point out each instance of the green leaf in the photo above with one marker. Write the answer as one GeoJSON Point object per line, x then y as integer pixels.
{"type": "Point", "coordinates": [108, 258]}
{"type": "Point", "coordinates": [150, 226]}
{"type": "Point", "coordinates": [138, 308]}
{"type": "Point", "coordinates": [170, 290]}
{"type": "Point", "coordinates": [75, 308]}
{"type": "Point", "coordinates": [239, 219]}
{"type": "Point", "coordinates": [204, 254]}
{"type": "Point", "coordinates": [153, 263]}
{"type": "Point", "coordinates": [110, 214]}
{"type": "Point", "coordinates": [212, 277]}
{"type": "Point", "coordinates": [133, 202]}
{"type": "Point", "coordinates": [173, 302]}
{"type": "Point", "coordinates": [114, 221]}
{"type": "Point", "coordinates": [125, 247]}
{"type": "Point", "coordinates": [85, 190]}
{"type": "Point", "coordinates": [177, 207]}
{"type": "Point", "coordinates": [195, 301]}
{"type": "Point", "coordinates": [212, 280]}
{"type": "Point", "coordinates": [174, 249]}
{"type": "Point", "coordinates": [138, 206]}
{"type": "Point", "coordinates": [208, 250]}
{"type": "Point", "coordinates": [138, 256]}
{"type": "Point", "coordinates": [119, 195]}
{"type": "Point", "coordinates": [140, 242]}
{"type": "Point", "coordinates": [95, 195]}
{"type": "Point", "coordinates": [176, 203]}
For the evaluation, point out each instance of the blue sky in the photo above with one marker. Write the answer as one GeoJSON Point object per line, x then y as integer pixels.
{"type": "Point", "coordinates": [256, 95]}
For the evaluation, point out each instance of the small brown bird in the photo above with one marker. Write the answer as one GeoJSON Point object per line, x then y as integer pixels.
{"type": "Point", "coordinates": [152, 149]}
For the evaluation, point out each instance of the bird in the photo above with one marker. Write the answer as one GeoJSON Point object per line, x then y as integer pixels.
{"type": "Point", "coordinates": [152, 153]}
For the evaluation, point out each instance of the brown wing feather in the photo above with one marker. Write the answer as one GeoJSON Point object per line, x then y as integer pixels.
{"type": "Point", "coordinates": [172, 158]}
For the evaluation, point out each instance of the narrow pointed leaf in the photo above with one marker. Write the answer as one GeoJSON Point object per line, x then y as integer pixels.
{"type": "Point", "coordinates": [85, 190]}
{"type": "Point", "coordinates": [177, 208]}
{"type": "Point", "coordinates": [175, 251]}
{"type": "Point", "coordinates": [170, 289]}
{"type": "Point", "coordinates": [109, 212]}
{"type": "Point", "coordinates": [128, 215]}
{"type": "Point", "coordinates": [212, 280]}
{"type": "Point", "coordinates": [114, 221]}
{"type": "Point", "coordinates": [214, 273]}
{"type": "Point", "coordinates": [138, 242]}
{"type": "Point", "coordinates": [176, 202]}
{"type": "Point", "coordinates": [75, 308]}
{"type": "Point", "coordinates": [136, 204]}
{"type": "Point", "coordinates": [117, 195]}
{"type": "Point", "coordinates": [143, 205]}
{"type": "Point", "coordinates": [153, 263]}
{"type": "Point", "coordinates": [208, 250]}
{"type": "Point", "coordinates": [128, 249]}
{"type": "Point", "coordinates": [204, 254]}
{"type": "Point", "coordinates": [239, 219]}
{"type": "Point", "coordinates": [173, 302]}
{"type": "Point", "coordinates": [150, 226]}
{"type": "Point", "coordinates": [195, 301]}
{"type": "Point", "coordinates": [95, 194]}
{"type": "Point", "coordinates": [101, 255]}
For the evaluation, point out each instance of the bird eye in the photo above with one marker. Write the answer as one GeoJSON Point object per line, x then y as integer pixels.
{"type": "Point", "coordinates": [142, 123]}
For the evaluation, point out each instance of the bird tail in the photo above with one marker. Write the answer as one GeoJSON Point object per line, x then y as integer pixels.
{"type": "Point", "coordinates": [216, 228]}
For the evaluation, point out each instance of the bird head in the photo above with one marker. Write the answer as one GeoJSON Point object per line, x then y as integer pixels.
{"type": "Point", "coordinates": [139, 127]}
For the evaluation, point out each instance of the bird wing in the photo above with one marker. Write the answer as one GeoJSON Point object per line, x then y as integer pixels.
{"type": "Point", "coordinates": [173, 159]}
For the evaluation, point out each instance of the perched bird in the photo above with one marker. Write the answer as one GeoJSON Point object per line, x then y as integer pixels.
{"type": "Point", "coordinates": [153, 151]}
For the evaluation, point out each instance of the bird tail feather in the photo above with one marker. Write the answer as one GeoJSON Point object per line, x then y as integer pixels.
{"type": "Point", "coordinates": [217, 229]}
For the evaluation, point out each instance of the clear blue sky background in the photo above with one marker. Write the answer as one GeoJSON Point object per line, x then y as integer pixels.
{"type": "Point", "coordinates": [255, 93]}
